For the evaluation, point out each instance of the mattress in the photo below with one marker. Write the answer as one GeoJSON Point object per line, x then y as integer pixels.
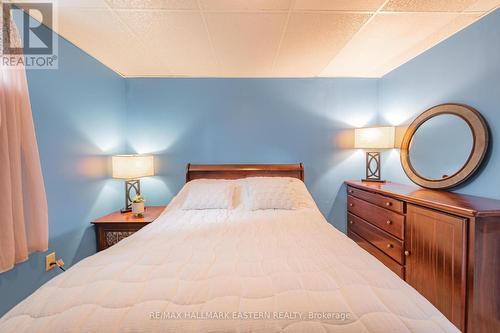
{"type": "Point", "coordinates": [229, 271]}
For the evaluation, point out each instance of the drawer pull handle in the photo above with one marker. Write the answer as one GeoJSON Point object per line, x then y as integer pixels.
{"type": "Point", "coordinates": [351, 204]}
{"type": "Point", "coordinates": [351, 222]}
{"type": "Point", "coordinates": [390, 246]}
{"type": "Point", "coordinates": [389, 222]}
{"type": "Point", "coordinates": [388, 204]}
{"type": "Point", "coordinates": [407, 253]}
{"type": "Point", "coordinates": [351, 191]}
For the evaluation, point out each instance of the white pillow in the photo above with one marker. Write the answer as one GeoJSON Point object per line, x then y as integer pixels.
{"type": "Point", "coordinates": [209, 195]}
{"type": "Point", "coordinates": [270, 193]}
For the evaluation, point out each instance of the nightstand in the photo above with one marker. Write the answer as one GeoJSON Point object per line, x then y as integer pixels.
{"type": "Point", "coordinates": [114, 227]}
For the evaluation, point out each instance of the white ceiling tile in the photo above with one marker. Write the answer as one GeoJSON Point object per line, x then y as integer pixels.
{"type": "Point", "coordinates": [153, 4]}
{"type": "Point", "coordinates": [484, 5]}
{"type": "Point", "coordinates": [347, 5]}
{"type": "Point", "coordinates": [179, 39]}
{"type": "Point", "coordinates": [456, 24]}
{"type": "Point", "coordinates": [101, 34]}
{"type": "Point", "coordinates": [313, 39]}
{"type": "Point", "coordinates": [427, 5]}
{"type": "Point", "coordinates": [81, 3]}
{"type": "Point", "coordinates": [384, 43]}
{"type": "Point", "coordinates": [246, 43]}
{"type": "Point", "coordinates": [101, 4]}
{"type": "Point", "coordinates": [245, 4]}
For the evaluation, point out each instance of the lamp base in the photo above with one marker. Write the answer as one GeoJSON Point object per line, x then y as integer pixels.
{"type": "Point", "coordinates": [130, 184]}
{"type": "Point", "coordinates": [373, 167]}
{"type": "Point", "coordinates": [373, 181]}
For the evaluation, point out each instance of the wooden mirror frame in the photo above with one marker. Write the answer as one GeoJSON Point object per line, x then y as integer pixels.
{"type": "Point", "coordinates": [480, 135]}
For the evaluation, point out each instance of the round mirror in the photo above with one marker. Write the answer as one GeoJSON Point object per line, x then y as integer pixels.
{"type": "Point", "coordinates": [441, 146]}
{"type": "Point", "coordinates": [444, 146]}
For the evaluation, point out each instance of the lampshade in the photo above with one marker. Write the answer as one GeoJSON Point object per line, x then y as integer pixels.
{"type": "Point", "coordinates": [132, 166]}
{"type": "Point", "coordinates": [374, 137]}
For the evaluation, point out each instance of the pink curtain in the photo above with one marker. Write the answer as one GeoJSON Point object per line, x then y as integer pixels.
{"type": "Point", "coordinates": [23, 205]}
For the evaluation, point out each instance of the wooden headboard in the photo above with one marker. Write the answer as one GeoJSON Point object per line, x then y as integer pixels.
{"type": "Point", "coordinates": [236, 171]}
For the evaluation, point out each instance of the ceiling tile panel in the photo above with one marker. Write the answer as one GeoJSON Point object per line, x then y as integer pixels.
{"type": "Point", "coordinates": [246, 43]}
{"type": "Point", "coordinates": [92, 4]}
{"type": "Point", "coordinates": [458, 23]}
{"type": "Point", "coordinates": [153, 4]}
{"type": "Point", "coordinates": [101, 34]}
{"type": "Point", "coordinates": [245, 4]}
{"type": "Point", "coordinates": [387, 36]}
{"type": "Point", "coordinates": [80, 3]}
{"type": "Point", "coordinates": [313, 39]}
{"type": "Point", "coordinates": [427, 5]}
{"type": "Point", "coordinates": [347, 5]}
{"type": "Point", "coordinates": [179, 39]}
{"type": "Point", "coordinates": [484, 5]}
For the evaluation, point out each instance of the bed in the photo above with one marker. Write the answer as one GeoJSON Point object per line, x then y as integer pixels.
{"type": "Point", "coordinates": [230, 270]}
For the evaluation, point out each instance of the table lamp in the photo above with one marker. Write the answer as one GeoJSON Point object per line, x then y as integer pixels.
{"type": "Point", "coordinates": [374, 138]}
{"type": "Point", "coordinates": [131, 168]}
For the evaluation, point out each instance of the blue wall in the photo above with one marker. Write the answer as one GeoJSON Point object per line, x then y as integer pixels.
{"type": "Point", "coordinates": [463, 69]}
{"type": "Point", "coordinates": [78, 112]}
{"type": "Point", "coordinates": [251, 121]}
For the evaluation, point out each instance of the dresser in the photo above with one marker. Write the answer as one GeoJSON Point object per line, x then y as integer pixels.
{"type": "Point", "coordinates": [112, 228]}
{"type": "Point", "coordinates": [445, 245]}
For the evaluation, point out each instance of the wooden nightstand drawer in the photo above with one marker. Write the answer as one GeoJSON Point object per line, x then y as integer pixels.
{"type": "Point", "coordinates": [110, 234]}
{"type": "Point", "coordinates": [112, 228]}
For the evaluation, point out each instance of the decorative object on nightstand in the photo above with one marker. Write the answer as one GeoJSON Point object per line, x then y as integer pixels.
{"type": "Point", "coordinates": [114, 227]}
{"type": "Point", "coordinates": [138, 205]}
{"type": "Point", "coordinates": [374, 138]}
{"type": "Point", "coordinates": [131, 168]}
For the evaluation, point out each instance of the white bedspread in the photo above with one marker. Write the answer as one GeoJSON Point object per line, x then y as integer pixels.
{"type": "Point", "coordinates": [263, 271]}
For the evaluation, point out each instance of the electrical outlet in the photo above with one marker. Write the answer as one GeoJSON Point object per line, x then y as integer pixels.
{"type": "Point", "coordinates": [50, 258]}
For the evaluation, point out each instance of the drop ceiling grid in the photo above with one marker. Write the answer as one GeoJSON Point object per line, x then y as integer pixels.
{"type": "Point", "coordinates": [207, 7]}
{"type": "Point", "coordinates": [305, 38]}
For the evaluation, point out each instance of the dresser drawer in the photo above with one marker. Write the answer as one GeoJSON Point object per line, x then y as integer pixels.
{"type": "Point", "coordinates": [385, 219]}
{"type": "Point", "coordinates": [388, 262]}
{"type": "Point", "coordinates": [386, 243]}
{"type": "Point", "coordinates": [377, 199]}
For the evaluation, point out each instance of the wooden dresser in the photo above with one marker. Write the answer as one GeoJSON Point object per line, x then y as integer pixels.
{"type": "Point", "coordinates": [445, 245]}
